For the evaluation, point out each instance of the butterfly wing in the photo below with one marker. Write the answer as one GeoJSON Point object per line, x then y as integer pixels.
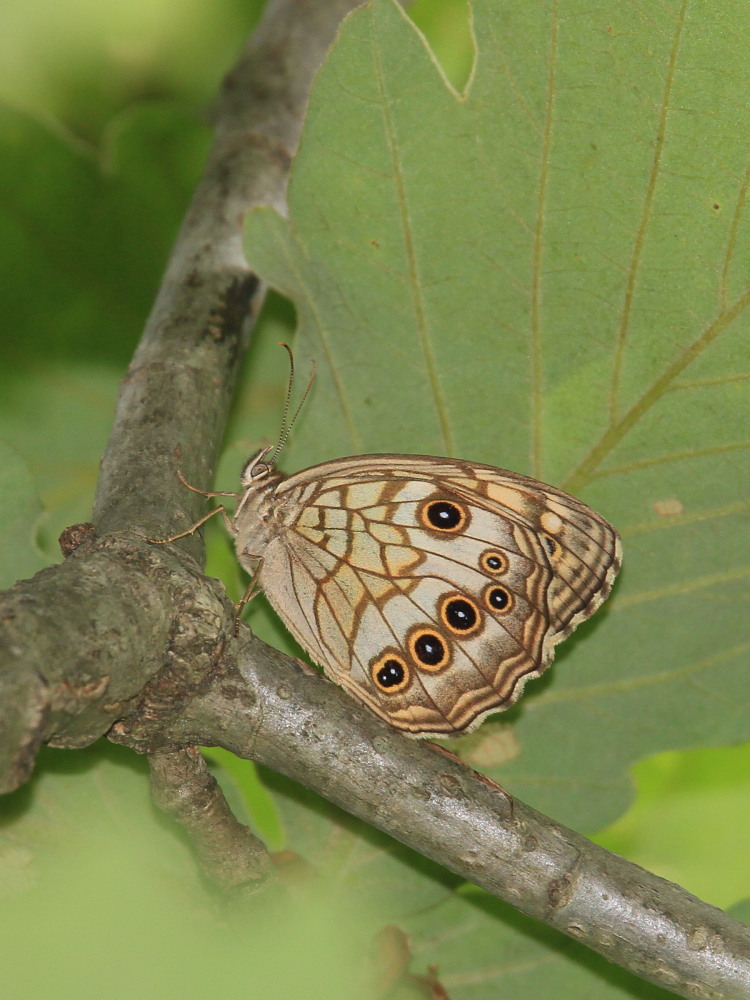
{"type": "Point", "coordinates": [433, 589]}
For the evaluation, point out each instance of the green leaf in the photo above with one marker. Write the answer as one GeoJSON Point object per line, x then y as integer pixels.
{"type": "Point", "coordinates": [741, 911]}
{"type": "Point", "coordinates": [549, 273]}
{"type": "Point", "coordinates": [85, 236]}
{"type": "Point", "coordinates": [94, 888]}
{"type": "Point", "coordinates": [85, 233]}
{"type": "Point", "coordinates": [20, 511]}
{"type": "Point", "coordinates": [58, 418]}
{"type": "Point", "coordinates": [709, 858]}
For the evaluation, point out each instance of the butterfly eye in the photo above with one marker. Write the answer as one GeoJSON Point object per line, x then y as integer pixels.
{"type": "Point", "coordinates": [429, 649]}
{"type": "Point", "coordinates": [444, 515]}
{"type": "Point", "coordinates": [459, 614]}
{"type": "Point", "coordinates": [498, 599]}
{"type": "Point", "coordinates": [390, 673]}
{"type": "Point", "coordinates": [493, 562]}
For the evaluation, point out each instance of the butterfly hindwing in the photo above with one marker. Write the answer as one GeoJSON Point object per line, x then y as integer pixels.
{"type": "Point", "coordinates": [430, 589]}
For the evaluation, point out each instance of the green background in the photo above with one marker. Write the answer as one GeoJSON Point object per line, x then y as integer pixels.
{"type": "Point", "coordinates": [572, 224]}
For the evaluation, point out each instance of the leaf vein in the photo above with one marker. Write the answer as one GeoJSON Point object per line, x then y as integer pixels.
{"type": "Point", "coordinates": [645, 219]}
{"type": "Point", "coordinates": [411, 254]}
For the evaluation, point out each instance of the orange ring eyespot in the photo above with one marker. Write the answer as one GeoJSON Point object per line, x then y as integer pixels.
{"type": "Point", "coordinates": [429, 649]}
{"type": "Point", "coordinates": [445, 516]}
{"type": "Point", "coordinates": [498, 599]}
{"type": "Point", "coordinates": [493, 561]}
{"type": "Point", "coordinates": [460, 615]}
{"type": "Point", "coordinates": [390, 672]}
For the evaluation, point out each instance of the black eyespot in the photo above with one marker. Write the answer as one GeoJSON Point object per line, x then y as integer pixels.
{"type": "Point", "coordinates": [444, 515]}
{"type": "Point", "coordinates": [493, 562]}
{"type": "Point", "coordinates": [390, 674]}
{"type": "Point", "coordinates": [498, 598]}
{"type": "Point", "coordinates": [459, 614]}
{"type": "Point", "coordinates": [429, 649]}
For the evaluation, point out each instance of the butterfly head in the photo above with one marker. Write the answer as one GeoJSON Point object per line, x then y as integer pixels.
{"type": "Point", "coordinates": [255, 470]}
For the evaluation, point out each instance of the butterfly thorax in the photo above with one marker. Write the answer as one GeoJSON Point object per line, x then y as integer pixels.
{"type": "Point", "coordinates": [258, 518]}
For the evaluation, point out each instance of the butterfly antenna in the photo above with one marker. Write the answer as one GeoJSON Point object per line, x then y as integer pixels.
{"type": "Point", "coordinates": [286, 425]}
{"type": "Point", "coordinates": [287, 400]}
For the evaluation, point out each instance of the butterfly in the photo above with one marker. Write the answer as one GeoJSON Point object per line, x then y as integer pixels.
{"type": "Point", "coordinates": [430, 589]}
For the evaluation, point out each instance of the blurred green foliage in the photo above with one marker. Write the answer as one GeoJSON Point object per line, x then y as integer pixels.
{"type": "Point", "coordinates": [103, 132]}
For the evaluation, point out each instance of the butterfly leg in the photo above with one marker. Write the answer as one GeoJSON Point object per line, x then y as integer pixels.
{"type": "Point", "coordinates": [194, 527]}
{"type": "Point", "coordinates": [253, 588]}
{"type": "Point", "coordinates": [206, 493]}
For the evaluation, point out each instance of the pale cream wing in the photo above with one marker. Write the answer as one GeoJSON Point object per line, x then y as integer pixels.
{"type": "Point", "coordinates": [583, 549]}
{"type": "Point", "coordinates": [432, 589]}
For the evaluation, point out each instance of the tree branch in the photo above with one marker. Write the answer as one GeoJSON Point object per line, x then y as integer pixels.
{"type": "Point", "coordinates": [183, 786]}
